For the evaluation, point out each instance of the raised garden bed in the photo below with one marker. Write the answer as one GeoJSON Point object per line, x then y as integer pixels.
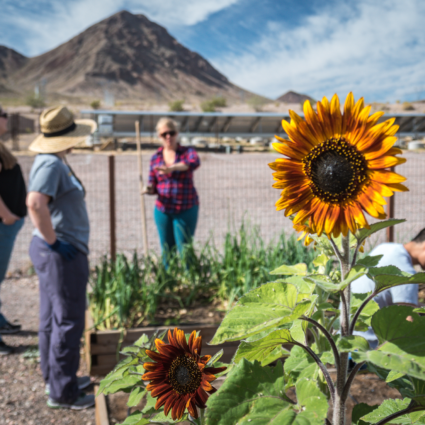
{"type": "Point", "coordinates": [102, 347]}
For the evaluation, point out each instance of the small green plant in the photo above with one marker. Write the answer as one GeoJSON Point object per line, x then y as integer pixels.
{"type": "Point", "coordinates": [176, 106]}
{"type": "Point", "coordinates": [257, 103]}
{"type": "Point", "coordinates": [211, 104]}
{"type": "Point", "coordinates": [407, 106]}
{"type": "Point", "coordinates": [35, 101]}
{"type": "Point", "coordinates": [207, 106]}
{"type": "Point", "coordinates": [95, 104]}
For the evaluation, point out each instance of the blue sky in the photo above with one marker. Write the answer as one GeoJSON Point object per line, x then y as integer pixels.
{"type": "Point", "coordinates": [375, 48]}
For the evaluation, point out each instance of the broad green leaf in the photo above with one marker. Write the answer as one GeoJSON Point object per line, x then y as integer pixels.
{"type": "Point", "coordinates": [160, 418]}
{"type": "Point", "coordinates": [364, 233]}
{"type": "Point", "coordinates": [149, 408]}
{"type": "Point", "coordinates": [304, 288]}
{"type": "Point", "coordinates": [136, 418]}
{"type": "Point", "coordinates": [420, 310]}
{"type": "Point", "coordinates": [142, 341]}
{"type": "Point", "coordinates": [300, 364]}
{"type": "Point", "coordinates": [324, 282]}
{"type": "Point", "coordinates": [131, 349]}
{"type": "Point", "coordinates": [360, 410]}
{"type": "Point", "coordinates": [311, 398]}
{"type": "Point", "coordinates": [264, 308]}
{"type": "Point", "coordinates": [298, 330]}
{"type": "Point", "coordinates": [386, 270]}
{"type": "Point", "coordinates": [117, 373]}
{"type": "Point", "coordinates": [385, 281]}
{"type": "Point", "coordinates": [368, 311]}
{"type": "Point", "coordinates": [136, 396]}
{"type": "Point", "coordinates": [251, 394]}
{"type": "Point", "coordinates": [419, 390]}
{"type": "Point", "coordinates": [297, 269]}
{"type": "Point", "coordinates": [321, 260]}
{"type": "Point", "coordinates": [350, 343]}
{"type": "Point", "coordinates": [388, 407]}
{"type": "Point", "coordinates": [125, 384]}
{"type": "Point", "coordinates": [392, 376]}
{"type": "Point", "coordinates": [369, 261]}
{"type": "Point", "coordinates": [262, 349]}
{"type": "Point", "coordinates": [402, 346]}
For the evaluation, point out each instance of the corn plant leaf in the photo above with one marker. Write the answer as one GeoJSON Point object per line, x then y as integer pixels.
{"type": "Point", "coordinates": [369, 261]}
{"type": "Point", "coordinates": [402, 346]}
{"type": "Point", "coordinates": [265, 350]}
{"type": "Point", "coordinates": [360, 410]}
{"type": "Point", "coordinates": [323, 282]}
{"type": "Point", "coordinates": [136, 418]}
{"type": "Point", "coordinates": [297, 269]}
{"type": "Point", "coordinates": [136, 396]}
{"type": "Point", "coordinates": [254, 395]}
{"type": "Point", "coordinates": [264, 308]}
{"type": "Point", "coordinates": [310, 398]}
{"type": "Point", "coordinates": [364, 233]}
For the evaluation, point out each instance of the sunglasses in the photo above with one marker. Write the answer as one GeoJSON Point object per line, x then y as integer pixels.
{"type": "Point", "coordinates": [168, 133]}
{"type": "Point", "coordinates": [3, 114]}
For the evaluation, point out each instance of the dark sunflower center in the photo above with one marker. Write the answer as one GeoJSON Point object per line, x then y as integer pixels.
{"type": "Point", "coordinates": [184, 375]}
{"type": "Point", "coordinates": [337, 170]}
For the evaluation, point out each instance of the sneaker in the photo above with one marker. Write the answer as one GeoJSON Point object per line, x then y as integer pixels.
{"type": "Point", "coordinates": [5, 349]}
{"type": "Point", "coordinates": [9, 328]}
{"type": "Point", "coordinates": [83, 382]}
{"type": "Point", "coordinates": [83, 402]}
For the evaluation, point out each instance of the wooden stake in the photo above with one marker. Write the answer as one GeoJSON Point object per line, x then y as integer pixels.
{"type": "Point", "coordinates": [112, 219]}
{"type": "Point", "coordinates": [390, 214]}
{"type": "Point", "coordinates": [141, 186]}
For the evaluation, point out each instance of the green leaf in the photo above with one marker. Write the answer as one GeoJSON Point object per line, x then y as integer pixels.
{"type": "Point", "coordinates": [136, 418]}
{"type": "Point", "coordinates": [360, 410]}
{"type": "Point", "coordinates": [142, 341]}
{"type": "Point", "coordinates": [420, 310]}
{"type": "Point", "coordinates": [419, 390]}
{"type": "Point", "coordinates": [117, 373]}
{"type": "Point", "coordinates": [298, 329]}
{"type": "Point", "coordinates": [369, 261]}
{"type": "Point", "coordinates": [303, 287]}
{"type": "Point", "coordinates": [130, 349]}
{"type": "Point", "coordinates": [251, 394]}
{"type": "Point", "coordinates": [160, 418]}
{"type": "Point", "coordinates": [402, 346]}
{"type": "Point", "coordinates": [215, 358]}
{"type": "Point", "coordinates": [126, 384]}
{"type": "Point", "coordinates": [149, 407]}
{"type": "Point", "coordinates": [388, 407]}
{"type": "Point", "coordinates": [297, 269]}
{"type": "Point", "coordinates": [350, 343]}
{"type": "Point", "coordinates": [392, 376]}
{"type": "Point", "coordinates": [264, 308]}
{"type": "Point", "coordinates": [262, 349]}
{"type": "Point", "coordinates": [364, 233]}
{"type": "Point", "coordinates": [321, 260]}
{"type": "Point", "coordinates": [368, 311]}
{"type": "Point", "coordinates": [136, 396]}
{"type": "Point", "coordinates": [311, 398]}
{"type": "Point", "coordinates": [385, 281]}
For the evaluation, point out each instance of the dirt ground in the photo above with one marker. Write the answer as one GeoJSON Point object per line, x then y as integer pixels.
{"type": "Point", "coordinates": [22, 398]}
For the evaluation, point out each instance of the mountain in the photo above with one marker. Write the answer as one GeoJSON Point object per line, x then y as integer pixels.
{"type": "Point", "coordinates": [10, 62]}
{"type": "Point", "coordinates": [293, 97]}
{"type": "Point", "coordinates": [129, 56]}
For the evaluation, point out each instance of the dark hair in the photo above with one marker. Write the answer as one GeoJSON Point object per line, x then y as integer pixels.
{"type": "Point", "coordinates": [420, 237]}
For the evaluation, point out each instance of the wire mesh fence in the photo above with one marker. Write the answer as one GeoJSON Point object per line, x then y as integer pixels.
{"type": "Point", "coordinates": [232, 189]}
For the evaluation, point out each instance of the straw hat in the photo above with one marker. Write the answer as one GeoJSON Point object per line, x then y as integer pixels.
{"type": "Point", "coordinates": [59, 131]}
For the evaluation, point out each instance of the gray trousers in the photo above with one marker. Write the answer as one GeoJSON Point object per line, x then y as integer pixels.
{"type": "Point", "coordinates": [62, 310]}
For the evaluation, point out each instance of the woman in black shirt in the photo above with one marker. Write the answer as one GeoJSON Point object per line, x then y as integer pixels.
{"type": "Point", "coordinates": [12, 213]}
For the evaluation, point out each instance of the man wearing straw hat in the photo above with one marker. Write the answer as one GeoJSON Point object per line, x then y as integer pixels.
{"type": "Point", "coordinates": [59, 250]}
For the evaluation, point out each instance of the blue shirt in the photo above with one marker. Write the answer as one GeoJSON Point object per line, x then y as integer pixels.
{"type": "Point", "coordinates": [52, 177]}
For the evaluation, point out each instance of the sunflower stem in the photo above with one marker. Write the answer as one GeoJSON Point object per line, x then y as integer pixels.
{"type": "Point", "coordinates": [341, 379]}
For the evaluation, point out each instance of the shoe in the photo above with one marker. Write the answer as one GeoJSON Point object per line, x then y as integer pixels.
{"type": "Point", "coordinates": [83, 382]}
{"type": "Point", "coordinates": [5, 349]}
{"type": "Point", "coordinates": [83, 402]}
{"type": "Point", "coordinates": [8, 328]}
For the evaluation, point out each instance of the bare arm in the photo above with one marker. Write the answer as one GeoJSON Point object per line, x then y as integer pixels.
{"type": "Point", "coordinates": [39, 213]}
{"type": "Point", "coordinates": [6, 215]}
{"type": "Point", "coordinates": [180, 166]}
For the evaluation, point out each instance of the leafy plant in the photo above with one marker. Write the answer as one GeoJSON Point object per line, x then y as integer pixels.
{"type": "Point", "coordinates": [176, 106]}
{"type": "Point", "coordinates": [257, 103]}
{"type": "Point", "coordinates": [211, 104]}
{"type": "Point", "coordinates": [35, 101]}
{"type": "Point", "coordinates": [95, 104]}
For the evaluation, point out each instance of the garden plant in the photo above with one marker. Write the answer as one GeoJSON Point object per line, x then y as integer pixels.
{"type": "Point", "coordinates": [295, 327]}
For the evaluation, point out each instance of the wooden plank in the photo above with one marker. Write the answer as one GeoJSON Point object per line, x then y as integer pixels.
{"type": "Point", "coordinates": [87, 338]}
{"type": "Point", "coordinates": [101, 411]}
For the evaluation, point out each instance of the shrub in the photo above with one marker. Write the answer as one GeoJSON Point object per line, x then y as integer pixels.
{"type": "Point", "coordinates": [35, 101]}
{"type": "Point", "coordinates": [407, 106]}
{"type": "Point", "coordinates": [95, 104]}
{"type": "Point", "coordinates": [207, 106]}
{"type": "Point", "coordinates": [257, 103]}
{"type": "Point", "coordinates": [176, 106]}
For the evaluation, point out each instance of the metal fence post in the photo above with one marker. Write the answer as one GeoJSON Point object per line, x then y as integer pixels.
{"type": "Point", "coordinates": [14, 131]}
{"type": "Point", "coordinates": [112, 218]}
{"type": "Point", "coordinates": [390, 214]}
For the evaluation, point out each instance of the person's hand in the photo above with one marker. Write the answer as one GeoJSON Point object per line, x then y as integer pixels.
{"type": "Point", "coordinates": [67, 250]}
{"type": "Point", "coordinates": [10, 219]}
{"type": "Point", "coordinates": [148, 190]}
{"type": "Point", "coordinates": [163, 169]}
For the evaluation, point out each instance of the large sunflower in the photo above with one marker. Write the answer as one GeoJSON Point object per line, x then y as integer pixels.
{"type": "Point", "coordinates": [336, 167]}
{"type": "Point", "coordinates": [180, 378]}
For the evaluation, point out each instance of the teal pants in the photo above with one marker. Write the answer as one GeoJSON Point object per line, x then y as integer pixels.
{"type": "Point", "coordinates": [175, 229]}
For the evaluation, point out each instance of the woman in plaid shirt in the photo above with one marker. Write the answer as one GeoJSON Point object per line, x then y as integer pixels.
{"type": "Point", "coordinates": [171, 178]}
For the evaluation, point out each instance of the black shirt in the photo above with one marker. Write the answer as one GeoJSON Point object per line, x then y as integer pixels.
{"type": "Point", "coordinates": [13, 190]}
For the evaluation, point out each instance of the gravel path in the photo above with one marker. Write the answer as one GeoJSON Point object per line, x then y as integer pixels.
{"type": "Point", "coordinates": [22, 398]}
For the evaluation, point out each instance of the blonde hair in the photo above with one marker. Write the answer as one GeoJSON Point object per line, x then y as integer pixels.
{"type": "Point", "coordinates": [6, 157]}
{"type": "Point", "coordinates": [167, 122]}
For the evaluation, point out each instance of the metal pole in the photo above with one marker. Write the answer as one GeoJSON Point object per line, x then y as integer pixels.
{"type": "Point", "coordinates": [141, 187]}
{"type": "Point", "coordinates": [112, 220]}
{"type": "Point", "coordinates": [390, 214]}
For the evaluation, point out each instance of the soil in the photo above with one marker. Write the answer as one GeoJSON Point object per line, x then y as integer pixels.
{"type": "Point", "coordinates": [22, 398]}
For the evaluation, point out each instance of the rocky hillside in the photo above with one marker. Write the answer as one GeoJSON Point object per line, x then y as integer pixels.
{"type": "Point", "coordinates": [10, 62]}
{"type": "Point", "coordinates": [293, 97]}
{"type": "Point", "coordinates": [127, 55]}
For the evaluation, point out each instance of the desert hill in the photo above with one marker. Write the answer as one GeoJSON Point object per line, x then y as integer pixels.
{"type": "Point", "coordinates": [10, 62]}
{"type": "Point", "coordinates": [293, 97]}
{"type": "Point", "coordinates": [126, 54]}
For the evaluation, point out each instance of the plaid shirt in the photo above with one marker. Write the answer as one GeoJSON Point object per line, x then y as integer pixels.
{"type": "Point", "coordinates": [176, 192]}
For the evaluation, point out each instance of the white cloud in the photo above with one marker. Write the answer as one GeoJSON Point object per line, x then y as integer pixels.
{"type": "Point", "coordinates": [55, 22]}
{"type": "Point", "coordinates": [372, 48]}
